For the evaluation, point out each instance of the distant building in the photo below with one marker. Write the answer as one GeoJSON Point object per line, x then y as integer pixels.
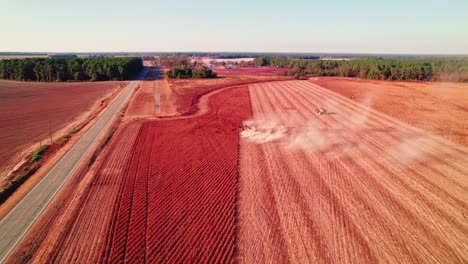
{"type": "Point", "coordinates": [62, 56]}
{"type": "Point", "coordinates": [231, 66]}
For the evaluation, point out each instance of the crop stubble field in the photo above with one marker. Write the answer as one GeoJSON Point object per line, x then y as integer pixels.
{"type": "Point", "coordinates": [438, 107]}
{"type": "Point", "coordinates": [354, 186]}
{"type": "Point", "coordinates": [29, 109]}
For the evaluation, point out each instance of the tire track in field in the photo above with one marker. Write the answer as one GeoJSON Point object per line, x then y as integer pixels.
{"type": "Point", "coordinates": [374, 170]}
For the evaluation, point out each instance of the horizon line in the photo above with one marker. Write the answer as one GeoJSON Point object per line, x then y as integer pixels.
{"type": "Point", "coordinates": [246, 52]}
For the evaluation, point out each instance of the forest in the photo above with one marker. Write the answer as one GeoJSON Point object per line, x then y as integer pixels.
{"type": "Point", "coordinates": [420, 69]}
{"type": "Point", "coordinates": [185, 72]}
{"type": "Point", "coordinates": [70, 69]}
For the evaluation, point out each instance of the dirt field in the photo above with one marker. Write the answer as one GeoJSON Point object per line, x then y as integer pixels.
{"type": "Point", "coordinates": [354, 186]}
{"type": "Point", "coordinates": [27, 109]}
{"type": "Point", "coordinates": [156, 210]}
{"type": "Point", "coordinates": [256, 71]}
{"type": "Point", "coordinates": [74, 226]}
{"type": "Point", "coordinates": [143, 103]}
{"type": "Point", "coordinates": [441, 108]}
{"type": "Point", "coordinates": [188, 91]}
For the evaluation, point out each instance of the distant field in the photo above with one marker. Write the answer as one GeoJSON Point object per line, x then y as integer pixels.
{"type": "Point", "coordinates": [27, 109]}
{"type": "Point", "coordinates": [441, 108]}
{"type": "Point", "coordinates": [258, 71]}
{"type": "Point", "coordinates": [187, 91]}
{"type": "Point", "coordinates": [208, 60]}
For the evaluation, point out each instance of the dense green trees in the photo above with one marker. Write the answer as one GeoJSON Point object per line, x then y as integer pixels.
{"type": "Point", "coordinates": [191, 72]}
{"type": "Point", "coordinates": [455, 69]}
{"type": "Point", "coordinates": [70, 69]}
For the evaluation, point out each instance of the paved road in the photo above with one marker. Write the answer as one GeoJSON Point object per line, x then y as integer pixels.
{"type": "Point", "coordinates": [17, 223]}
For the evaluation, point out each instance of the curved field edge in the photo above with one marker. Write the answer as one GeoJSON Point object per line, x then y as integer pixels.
{"type": "Point", "coordinates": [211, 145]}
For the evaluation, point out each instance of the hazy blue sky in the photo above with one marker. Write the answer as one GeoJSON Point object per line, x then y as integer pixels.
{"type": "Point", "coordinates": [395, 26]}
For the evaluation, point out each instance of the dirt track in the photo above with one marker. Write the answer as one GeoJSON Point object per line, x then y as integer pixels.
{"type": "Point", "coordinates": [355, 186]}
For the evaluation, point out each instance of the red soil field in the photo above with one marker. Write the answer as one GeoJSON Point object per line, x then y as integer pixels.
{"type": "Point", "coordinates": [178, 201]}
{"type": "Point", "coordinates": [165, 191]}
{"type": "Point", "coordinates": [187, 92]}
{"type": "Point", "coordinates": [440, 108]}
{"type": "Point", "coordinates": [27, 108]}
{"type": "Point", "coordinates": [258, 71]}
{"type": "Point", "coordinates": [74, 226]}
{"type": "Point", "coordinates": [353, 186]}
{"type": "Point", "coordinates": [143, 102]}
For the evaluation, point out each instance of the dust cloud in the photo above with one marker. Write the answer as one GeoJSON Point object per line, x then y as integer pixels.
{"type": "Point", "coordinates": [266, 128]}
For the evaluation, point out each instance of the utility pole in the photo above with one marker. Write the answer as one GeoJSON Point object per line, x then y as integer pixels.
{"type": "Point", "coordinates": [50, 133]}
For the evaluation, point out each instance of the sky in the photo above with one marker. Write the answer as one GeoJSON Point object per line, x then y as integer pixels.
{"type": "Point", "coordinates": [333, 26]}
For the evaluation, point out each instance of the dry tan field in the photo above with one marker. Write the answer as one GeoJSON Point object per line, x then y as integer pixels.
{"type": "Point", "coordinates": [351, 186]}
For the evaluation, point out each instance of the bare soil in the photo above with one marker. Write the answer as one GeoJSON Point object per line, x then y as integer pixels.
{"type": "Point", "coordinates": [187, 92]}
{"type": "Point", "coordinates": [440, 108]}
{"type": "Point", "coordinates": [351, 186]}
{"type": "Point", "coordinates": [33, 112]}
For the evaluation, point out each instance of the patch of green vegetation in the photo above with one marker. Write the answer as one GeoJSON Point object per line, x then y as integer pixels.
{"type": "Point", "coordinates": [38, 154]}
{"type": "Point", "coordinates": [191, 72]}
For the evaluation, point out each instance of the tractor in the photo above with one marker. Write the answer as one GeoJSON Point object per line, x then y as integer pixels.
{"type": "Point", "coordinates": [320, 110]}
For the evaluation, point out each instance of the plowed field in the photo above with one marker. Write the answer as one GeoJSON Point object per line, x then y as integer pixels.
{"type": "Point", "coordinates": [187, 92]}
{"type": "Point", "coordinates": [30, 110]}
{"type": "Point", "coordinates": [178, 202]}
{"type": "Point", "coordinates": [166, 191]}
{"type": "Point", "coordinates": [439, 108]}
{"type": "Point", "coordinates": [352, 186]}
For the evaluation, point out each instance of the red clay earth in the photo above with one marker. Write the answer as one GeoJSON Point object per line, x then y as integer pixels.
{"type": "Point", "coordinates": [165, 190]}
{"type": "Point", "coordinates": [179, 197]}
{"type": "Point", "coordinates": [157, 181]}
{"type": "Point", "coordinates": [143, 103]}
{"type": "Point", "coordinates": [27, 108]}
{"type": "Point", "coordinates": [441, 108]}
{"type": "Point", "coordinates": [187, 92]}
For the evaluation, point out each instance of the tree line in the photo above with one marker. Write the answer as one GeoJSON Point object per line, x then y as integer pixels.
{"type": "Point", "coordinates": [430, 69]}
{"type": "Point", "coordinates": [70, 69]}
{"type": "Point", "coordinates": [185, 72]}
